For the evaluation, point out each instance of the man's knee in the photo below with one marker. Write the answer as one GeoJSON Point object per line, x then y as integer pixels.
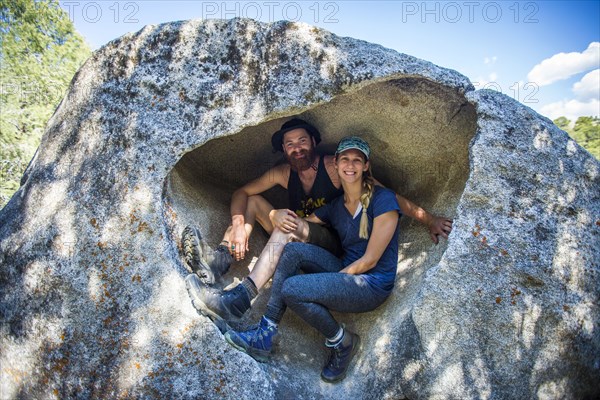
{"type": "Point", "coordinates": [254, 200]}
{"type": "Point", "coordinates": [302, 231]}
{"type": "Point", "coordinates": [258, 209]}
{"type": "Point", "coordinates": [258, 205]}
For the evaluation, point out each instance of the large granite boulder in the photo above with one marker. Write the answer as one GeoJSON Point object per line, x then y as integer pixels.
{"type": "Point", "coordinates": [160, 126]}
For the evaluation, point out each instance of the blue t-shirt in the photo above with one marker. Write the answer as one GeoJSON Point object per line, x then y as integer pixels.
{"type": "Point", "coordinates": [382, 276]}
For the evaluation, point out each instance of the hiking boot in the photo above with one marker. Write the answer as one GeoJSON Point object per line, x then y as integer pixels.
{"type": "Point", "coordinates": [340, 357]}
{"type": "Point", "coordinates": [219, 305]}
{"type": "Point", "coordinates": [257, 341]}
{"type": "Point", "coordinates": [192, 252]}
{"type": "Point", "coordinates": [207, 263]}
{"type": "Point", "coordinates": [219, 260]}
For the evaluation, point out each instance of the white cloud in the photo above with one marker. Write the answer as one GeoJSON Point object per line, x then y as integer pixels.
{"type": "Point", "coordinates": [572, 109]}
{"type": "Point", "coordinates": [588, 87]}
{"type": "Point", "coordinates": [564, 65]}
{"type": "Point", "coordinates": [490, 60]}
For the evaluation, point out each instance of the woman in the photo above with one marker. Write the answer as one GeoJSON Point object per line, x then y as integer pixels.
{"type": "Point", "coordinates": [366, 218]}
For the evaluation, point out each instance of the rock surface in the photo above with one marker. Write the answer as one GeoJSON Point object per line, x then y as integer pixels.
{"type": "Point", "coordinates": [160, 126]}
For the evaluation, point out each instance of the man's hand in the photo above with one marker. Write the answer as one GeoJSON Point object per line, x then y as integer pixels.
{"type": "Point", "coordinates": [284, 220]}
{"type": "Point", "coordinates": [239, 242]}
{"type": "Point", "coordinates": [439, 226]}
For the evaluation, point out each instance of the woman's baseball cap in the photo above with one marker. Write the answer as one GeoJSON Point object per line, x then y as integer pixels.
{"type": "Point", "coordinates": [353, 142]}
{"type": "Point", "coordinates": [296, 123]}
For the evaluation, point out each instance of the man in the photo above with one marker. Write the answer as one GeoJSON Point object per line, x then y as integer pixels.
{"type": "Point", "coordinates": [311, 181]}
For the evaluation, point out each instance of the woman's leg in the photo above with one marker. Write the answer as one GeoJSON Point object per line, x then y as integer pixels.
{"type": "Point", "coordinates": [258, 341]}
{"type": "Point", "coordinates": [297, 256]}
{"type": "Point", "coordinates": [312, 296]}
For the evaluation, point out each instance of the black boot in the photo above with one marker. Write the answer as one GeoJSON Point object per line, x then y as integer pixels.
{"type": "Point", "coordinates": [207, 263]}
{"type": "Point", "coordinates": [219, 305]}
{"type": "Point", "coordinates": [219, 260]}
{"type": "Point", "coordinates": [340, 357]}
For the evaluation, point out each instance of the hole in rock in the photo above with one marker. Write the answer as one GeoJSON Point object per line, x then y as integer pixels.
{"type": "Point", "coordinates": [419, 132]}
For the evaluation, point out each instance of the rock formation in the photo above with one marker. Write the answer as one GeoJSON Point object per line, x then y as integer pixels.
{"type": "Point", "coordinates": [160, 126]}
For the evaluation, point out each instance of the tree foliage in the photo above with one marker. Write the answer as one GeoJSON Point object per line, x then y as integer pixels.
{"type": "Point", "coordinates": [586, 132]}
{"type": "Point", "coordinates": [40, 53]}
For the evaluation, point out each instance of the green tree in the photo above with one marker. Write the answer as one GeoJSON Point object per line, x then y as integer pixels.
{"type": "Point", "coordinates": [586, 132]}
{"type": "Point", "coordinates": [40, 53]}
{"type": "Point", "coordinates": [562, 123]}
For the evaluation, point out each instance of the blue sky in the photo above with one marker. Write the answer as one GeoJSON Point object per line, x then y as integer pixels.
{"type": "Point", "coordinates": [545, 54]}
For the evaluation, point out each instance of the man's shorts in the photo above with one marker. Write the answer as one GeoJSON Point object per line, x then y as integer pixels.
{"type": "Point", "coordinates": [325, 237]}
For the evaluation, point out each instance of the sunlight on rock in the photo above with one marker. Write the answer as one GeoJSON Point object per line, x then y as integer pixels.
{"type": "Point", "coordinates": [94, 285]}
{"type": "Point", "coordinates": [411, 370]}
{"type": "Point", "coordinates": [142, 336]}
{"type": "Point", "coordinates": [552, 389]}
{"type": "Point", "coordinates": [168, 295]}
{"type": "Point", "coordinates": [53, 195]}
{"type": "Point", "coordinates": [572, 148]}
{"type": "Point", "coordinates": [542, 140]}
{"type": "Point", "coordinates": [19, 355]}
{"type": "Point", "coordinates": [584, 320]}
{"type": "Point", "coordinates": [527, 321]}
{"type": "Point", "coordinates": [452, 377]}
{"type": "Point", "coordinates": [34, 276]}
{"type": "Point", "coordinates": [479, 376]}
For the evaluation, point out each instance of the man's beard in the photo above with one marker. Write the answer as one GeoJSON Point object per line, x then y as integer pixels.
{"type": "Point", "coordinates": [301, 164]}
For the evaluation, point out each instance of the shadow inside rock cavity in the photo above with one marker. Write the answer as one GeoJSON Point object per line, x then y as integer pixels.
{"type": "Point", "coordinates": [419, 132]}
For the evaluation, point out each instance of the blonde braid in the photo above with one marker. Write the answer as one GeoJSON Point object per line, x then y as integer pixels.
{"type": "Point", "coordinates": [365, 200]}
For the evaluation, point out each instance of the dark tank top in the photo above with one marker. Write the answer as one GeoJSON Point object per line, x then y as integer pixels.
{"type": "Point", "coordinates": [322, 192]}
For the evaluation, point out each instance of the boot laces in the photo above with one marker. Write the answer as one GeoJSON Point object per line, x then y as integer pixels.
{"type": "Point", "coordinates": [254, 335]}
{"type": "Point", "coordinates": [335, 356]}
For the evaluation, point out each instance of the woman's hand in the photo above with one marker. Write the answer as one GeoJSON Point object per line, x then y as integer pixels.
{"type": "Point", "coordinates": [285, 220]}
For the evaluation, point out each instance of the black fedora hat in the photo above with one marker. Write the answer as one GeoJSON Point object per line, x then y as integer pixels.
{"type": "Point", "coordinates": [296, 123]}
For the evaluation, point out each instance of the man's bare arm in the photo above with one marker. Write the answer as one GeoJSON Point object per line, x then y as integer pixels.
{"type": "Point", "coordinates": [239, 202]}
{"type": "Point", "coordinates": [438, 226]}
{"type": "Point", "coordinates": [275, 176]}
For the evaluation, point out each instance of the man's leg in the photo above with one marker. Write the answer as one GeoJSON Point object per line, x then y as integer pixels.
{"type": "Point", "coordinates": [221, 305]}
{"type": "Point", "coordinates": [258, 341]}
{"type": "Point", "coordinates": [211, 264]}
{"type": "Point", "coordinates": [265, 266]}
{"type": "Point", "coordinates": [307, 232]}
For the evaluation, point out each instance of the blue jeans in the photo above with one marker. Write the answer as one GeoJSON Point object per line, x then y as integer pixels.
{"type": "Point", "coordinates": [321, 289]}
